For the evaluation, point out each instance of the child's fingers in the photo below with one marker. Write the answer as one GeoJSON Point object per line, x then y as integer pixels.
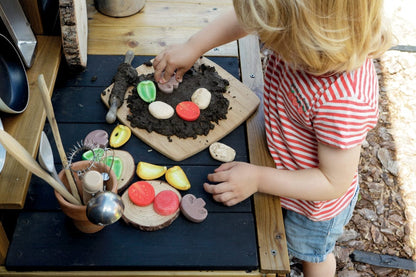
{"type": "Point", "coordinates": [220, 193]}
{"type": "Point", "coordinates": [159, 68]}
{"type": "Point", "coordinates": [157, 60]}
{"type": "Point", "coordinates": [218, 176]}
{"type": "Point", "coordinates": [226, 198]}
{"type": "Point", "coordinates": [179, 74]}
{"type": "Point", "coordinates": [215, 189]}
{"type": "Point", "coordinates": [167, 73]}
{"type": "Point", "coordinates": [232, 202]}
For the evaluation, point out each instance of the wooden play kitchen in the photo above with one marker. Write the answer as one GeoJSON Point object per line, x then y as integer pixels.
{"type": "Point", "coordinates": [246, 239]}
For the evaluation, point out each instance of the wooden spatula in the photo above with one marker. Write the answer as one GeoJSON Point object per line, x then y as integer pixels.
{"type": "Point", "coordinates": [14, 148]}
{"type": "Point", "coordinates": [54, 125]}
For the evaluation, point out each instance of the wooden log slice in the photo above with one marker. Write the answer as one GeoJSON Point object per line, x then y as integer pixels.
{"type": "Point", "coordinates": [129, 168]}
{"type": "Point", "coordinates": [74, 31]}
{"type": "Point", "coordinates": [145, 218]}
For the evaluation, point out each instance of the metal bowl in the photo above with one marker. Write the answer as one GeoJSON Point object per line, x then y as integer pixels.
{"type": "Point", "coordinates": [14, 87]}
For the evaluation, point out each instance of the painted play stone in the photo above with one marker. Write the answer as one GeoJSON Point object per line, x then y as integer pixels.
{"type": "Point", "coordinates": [193, 208]}
{"type": "Point", "coordinates": [147, 91]}
{"type": "Point", "coordinates": [114, 162]}
{"type": "Point", "coordinates": [145, 218]}
{"type": "Point", "coordinates": [166, 202]}
{"type": "Point", "coordinates": [120, 135]}
{"type": "Point", "coordinates": [177, 178]}
{"type": "Point", "coordinates": [188, 110]}
{"type": "Point", "coordinates": [169, 86]}
{"type": "Point", "coordinates": [222, 152]}
{"type": "Point", "coordinates": [128, 169]}
{"type": "Point", "coordinates": [97, 138]}
{"type": "Point", "coordinates": [148, 171]}
{"type": "Point", "coordinates": [123, 166]}
{"type": "Point", "coordinates": [141, 193]}
{"type": "Point", "coordinates": [201, 97]}
{"type": "Point", "coordinates": [161, 110]}
{"type": "Point", "coordinates": [96, 154]}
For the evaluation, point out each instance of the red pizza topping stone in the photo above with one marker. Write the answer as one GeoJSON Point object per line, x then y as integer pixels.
{"type": "Point", "coordinates": [187, 110]}
{"type": "Point", "coordinates": [141, 193]}
{"type": "Point", "coordinates": [166, 202]}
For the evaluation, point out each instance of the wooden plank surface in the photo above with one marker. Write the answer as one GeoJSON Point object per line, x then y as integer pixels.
{"type": "Point", "coordinates": [42, 228]}
{"type": "Point", "coordinates": [141, 273]}
{"type": "Point", "coordinates": [4, 244]}
{"type": "Point", "coordinates": [27, 126]}
{"type": "Point", "coordinates": [213, 244]}
{"type": "Point", "coordinates": [158, 24]}
{"type": "Point", "coordinates": [243, 102]}
{"type": "Point", "coordinates": [270, 229]}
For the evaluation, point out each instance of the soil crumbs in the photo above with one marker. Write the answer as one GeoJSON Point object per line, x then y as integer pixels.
{"type": "Point", "coordinates": [205, 77]}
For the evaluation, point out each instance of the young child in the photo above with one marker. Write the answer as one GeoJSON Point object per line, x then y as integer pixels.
{"type": "Point", "coordinates": [320, 100]}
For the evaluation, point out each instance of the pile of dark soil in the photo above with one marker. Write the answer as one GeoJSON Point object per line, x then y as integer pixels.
{"type": "Point", "coordinates": [205, 77]}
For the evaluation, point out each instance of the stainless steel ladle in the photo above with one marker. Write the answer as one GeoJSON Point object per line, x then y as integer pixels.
{"type": "Point", "coordinates": [105, 208]}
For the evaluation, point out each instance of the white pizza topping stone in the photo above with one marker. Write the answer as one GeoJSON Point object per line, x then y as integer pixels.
{"type": "Point", "coordinates": [161, 110]}
{"type": "Point", "coordinates": [222, 152]}
{"type": "Point", "coordinates": [201, 97]}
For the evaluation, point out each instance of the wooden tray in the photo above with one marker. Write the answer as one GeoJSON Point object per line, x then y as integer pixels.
{"type": "Point", "coordinates": [243, 102]}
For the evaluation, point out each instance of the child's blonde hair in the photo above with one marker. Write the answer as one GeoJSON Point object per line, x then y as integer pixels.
{"type": "Point", "coordinates": [319, 36]}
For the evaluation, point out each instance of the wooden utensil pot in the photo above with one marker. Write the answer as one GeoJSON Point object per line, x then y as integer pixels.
{"type": "Point", "coordinates": [78, 213]}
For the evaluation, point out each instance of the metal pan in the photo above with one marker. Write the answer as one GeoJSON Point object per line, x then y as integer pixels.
{"type": "Point", "coordinates": [14, 87]}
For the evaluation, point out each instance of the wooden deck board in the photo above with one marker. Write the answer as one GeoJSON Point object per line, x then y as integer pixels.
{"type": "Point", "coordinates": [129, 273]}
{"type": "Point", "coordinates": [4, 244]}
{"type": "Point", "coordinates": [271, 236]}
{"type": "Point", "coordinates": [157, 25]}
{"type": "Point", "coordinates": [183, 245]}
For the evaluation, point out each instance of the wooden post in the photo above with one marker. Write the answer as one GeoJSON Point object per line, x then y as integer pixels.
{"type": "Point", "coordinates": [4, 245]}
{"type": "Point", "coordinates": [31, 10]}
{"type": "Point", "coordinates": [271, 236]}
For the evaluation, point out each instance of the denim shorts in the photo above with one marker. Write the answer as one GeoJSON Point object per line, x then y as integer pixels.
{"type": "Point", "coordinates": [312, 241]}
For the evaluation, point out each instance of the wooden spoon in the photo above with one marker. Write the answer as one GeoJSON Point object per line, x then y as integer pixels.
{"type": "Point", "coordinates": [14, 148]}
{"type": "Point", "coordinates": [54, 125]}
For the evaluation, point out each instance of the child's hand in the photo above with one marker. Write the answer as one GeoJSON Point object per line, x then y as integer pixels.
{"type": "Point", "coordinates": [236, 182]}
{"type": "Point", "coordinates": [176, 58]}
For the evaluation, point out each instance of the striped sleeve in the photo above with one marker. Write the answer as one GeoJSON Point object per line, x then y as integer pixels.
{"type": "Point", "coordinates": [348, 110]}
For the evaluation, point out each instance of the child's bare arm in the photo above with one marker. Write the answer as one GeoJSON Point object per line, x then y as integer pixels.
{"type": "Point", "coordinates": [181, 57]}
{"type": "Point", "coordinates": [237, 181]}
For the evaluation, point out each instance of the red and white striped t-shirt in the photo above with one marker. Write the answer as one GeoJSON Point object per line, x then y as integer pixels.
{"type": "Point", "coordinates": [302, 109]}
